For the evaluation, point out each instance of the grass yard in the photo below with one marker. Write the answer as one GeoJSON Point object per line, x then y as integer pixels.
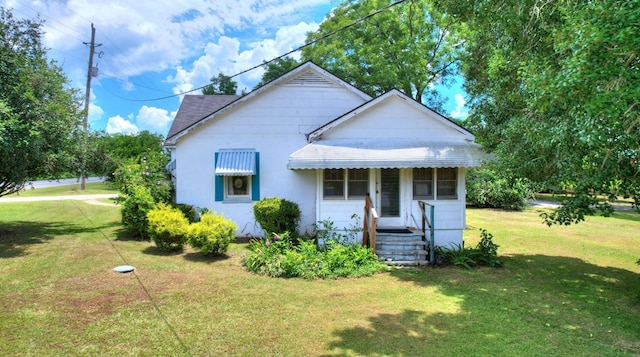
{"type": "Point", "coordinates": [564, 291]}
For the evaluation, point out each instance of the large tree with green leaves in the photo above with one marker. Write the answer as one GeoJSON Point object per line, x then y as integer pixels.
{"type": "Point", "coordinates": [40, 120]}
{"type": "Point", "coordinates": [108, 152]}
{"type": "Point", "coordinates": [276, 68]}
{"type": "Point", "coordinates": [221, 85]}
{"type": "Point", "coordinates": [409, 46]}
{"type": "Point", "coordinates": [555, 90]}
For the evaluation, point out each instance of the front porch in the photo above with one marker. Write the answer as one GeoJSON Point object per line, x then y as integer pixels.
{"type": "Point", "coordinates": [400, 245]}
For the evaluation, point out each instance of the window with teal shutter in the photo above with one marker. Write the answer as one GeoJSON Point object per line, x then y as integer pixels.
{"type": "Point", "coordinates": [237, 175]}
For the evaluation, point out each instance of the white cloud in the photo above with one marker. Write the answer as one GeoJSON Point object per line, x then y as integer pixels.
{"type": "Point", "coordinates": [118, 124]}
{"type": "Point", "coordinates": [154, 119]}
{"type": "Point", "coordinates": [95, 112]}
{"type": "Point", "coordinates": [225, 56]}
{"type": "Point", "coordinates": [460, 111]}
{"type": "Point", "coordinates": [146, 35]}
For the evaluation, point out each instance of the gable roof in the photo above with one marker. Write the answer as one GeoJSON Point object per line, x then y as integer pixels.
{"type": "Point", "coordinates": [316, 134]}
{"type": "Point", "coordinates": [305, 74]}
{"type": "Point", "coordinates": [196, 107]}
{"type": "Point", "coordinates": [366, 152]}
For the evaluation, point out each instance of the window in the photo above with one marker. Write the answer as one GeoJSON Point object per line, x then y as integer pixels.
{"type": "Point", "coordinates": [423, 184]}
{"type": "Point", "coordinates": [333, 183]}
{"type": "Point", "coordinates": [356, 184]}
{"type": "Point", "coordinates": [447, 183]}
{"type": "Point", "coordinates": [237, 175]}
{"type": "Point", "coordinates": [237, 187]}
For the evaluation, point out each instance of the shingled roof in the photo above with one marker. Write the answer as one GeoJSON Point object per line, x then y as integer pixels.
{"type": "Point", "coordinates": [195, 108]}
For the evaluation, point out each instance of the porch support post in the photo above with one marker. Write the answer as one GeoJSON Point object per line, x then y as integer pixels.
{"type": "Point", "coordinates": [432, 257]}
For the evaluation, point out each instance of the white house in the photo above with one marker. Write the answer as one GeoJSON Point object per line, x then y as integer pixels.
{"type": "Point", "coordinates": [313, 139]}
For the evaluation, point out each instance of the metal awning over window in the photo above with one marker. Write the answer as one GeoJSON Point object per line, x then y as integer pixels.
{"type": "Point", "coordinates": [236, 162]}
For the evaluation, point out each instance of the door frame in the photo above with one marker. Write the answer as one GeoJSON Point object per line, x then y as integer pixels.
{"type": "Point", "coordinates": [393, 221]}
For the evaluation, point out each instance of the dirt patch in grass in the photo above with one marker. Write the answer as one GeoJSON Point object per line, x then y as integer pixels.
{"type": "Point", "coordinates": [88, 298]}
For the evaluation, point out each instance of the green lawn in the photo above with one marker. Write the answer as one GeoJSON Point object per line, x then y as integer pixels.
{"type": "Point", "coordinates": [564, 291]}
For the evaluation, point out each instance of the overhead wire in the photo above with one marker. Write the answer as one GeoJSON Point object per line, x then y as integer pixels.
{"type": "Point", "coordinates": [310, 43]}
{"type": "Point", "coordinates": [355, 22]}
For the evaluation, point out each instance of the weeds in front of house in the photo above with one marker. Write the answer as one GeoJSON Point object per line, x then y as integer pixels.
{"type": "Point", "coordinates": [485, 253]}
{"type": "Point", "coordinates": [280, 257]}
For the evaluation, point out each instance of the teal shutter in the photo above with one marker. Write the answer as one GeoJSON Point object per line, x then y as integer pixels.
{"type": "Point", "coordinates": [219, 183]}
{"type": "Point", "coordinates": [255, 181]}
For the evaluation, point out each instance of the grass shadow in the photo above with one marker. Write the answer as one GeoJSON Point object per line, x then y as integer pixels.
{"type": "Point", "coordinates": [15, 237]}
{"type": "Point", "coordinates": [153, 250]}
{"type": "Point", "coordinates": [535, 305]}
{"type": "Point", "coordinates": [205, 258]}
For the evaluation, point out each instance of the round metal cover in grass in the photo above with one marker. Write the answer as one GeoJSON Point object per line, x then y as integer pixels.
{"type": "Point", "coordinates": [124, 269]}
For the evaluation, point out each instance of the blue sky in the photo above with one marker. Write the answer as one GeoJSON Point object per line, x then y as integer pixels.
{"type": "Point", "coordinates": [152, 49]}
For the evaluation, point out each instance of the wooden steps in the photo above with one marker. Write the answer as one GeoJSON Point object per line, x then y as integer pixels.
{"type": "Point", "coordinates": [401, 248]}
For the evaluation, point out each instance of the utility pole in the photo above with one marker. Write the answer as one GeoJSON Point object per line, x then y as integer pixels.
{"type": "Point", "coordinates": [90, 73]}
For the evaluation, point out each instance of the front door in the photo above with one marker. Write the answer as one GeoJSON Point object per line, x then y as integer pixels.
{"type": "Point", "coordinates": [389, 204]}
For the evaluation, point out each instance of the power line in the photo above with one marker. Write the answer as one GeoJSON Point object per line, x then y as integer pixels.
{"type": "Point", "coordinates": [357, 21]}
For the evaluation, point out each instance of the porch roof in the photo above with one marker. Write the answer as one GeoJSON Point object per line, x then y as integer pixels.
{"type": "Point", "coordinates": [356, 154]}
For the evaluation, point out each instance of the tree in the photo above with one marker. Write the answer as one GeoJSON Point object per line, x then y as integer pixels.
{"type": "Point", "coordinates": [40, 119]}
{"type": "Point", "coordinates": [275, 69]}
{"type": "Point", "coordinates": [409, 46]}
{"type": "Point", "coordinates": [108, 152]}
{"type": "Point", "coordinates": [221, 85]}
{"type": "Point", "coordinates": [554, 89]}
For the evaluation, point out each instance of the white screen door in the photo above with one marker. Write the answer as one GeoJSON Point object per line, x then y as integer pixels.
{"type": "Point", "coordinates": [389, 203]}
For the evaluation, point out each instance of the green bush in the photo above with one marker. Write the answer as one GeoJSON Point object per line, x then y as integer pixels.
{"type": "Point", "coordinates": [149, 172]}
{"type": "Point", "coordinates": [167, 227]}
{"type": "Point", "coordinates": [134, 211]}
{"type": "Point", "coordinates": [277, 215]}
{"type": "Point", "coordinates": [280, 257]}
{"type": "Point", "coordinates": [487, 188]}
{"type": "Point", "coordinates": [212, 234]}
{"type": "Point", "coordinates": [485, 253]}
{"type": "Point", "coordinates": [188, 210]}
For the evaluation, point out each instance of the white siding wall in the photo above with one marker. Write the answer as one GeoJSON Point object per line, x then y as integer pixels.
{"type": "Point", "coordinates": [394, 119]}
{"type": "Point", "coordinates": [274, 123]}
{"type": "Point", "coordinates": [450, 217]}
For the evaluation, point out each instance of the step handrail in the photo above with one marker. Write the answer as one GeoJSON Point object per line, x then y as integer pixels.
{"type": "Point", "coordinates": [370, 222]}
{"type": "Point", "coordinates": [428, 222]}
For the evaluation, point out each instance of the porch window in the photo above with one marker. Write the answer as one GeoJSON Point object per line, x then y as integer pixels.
{"type": "Point", "coordinates": [350, 183]}
{"type": "Point", "coordinates": [358, 184]}
{"type": "Point", "coordinates": [423, 184]}
{"type": "Point", "coordinates": [333, 183]}
{"type": "Point", "coordinates": [447, 179]}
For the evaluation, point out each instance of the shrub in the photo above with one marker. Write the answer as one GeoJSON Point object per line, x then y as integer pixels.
{"type": "Point", "coordinates": [167, 227]}
{"type": "Point", "coordinates": [280, 257]}
{"type": "Point", "coordinates": [188, 210]}
{"type": "Point", "coordinates": [134, 211]}
{"type": "Point", "coordinates": [458, 255]}
{"type": "Point", "coordinates": [487, 250]}
{"type": "Point", "coordinates": [485, 253]}
{"type": "Point", "coordinates": [212, 234]}
{"type": "Point", "coordinates": [149, 172]}
{"type": "Point", "coordinates": [277, 215]}
{"type": "Point", "coordinates": [487, 188]}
